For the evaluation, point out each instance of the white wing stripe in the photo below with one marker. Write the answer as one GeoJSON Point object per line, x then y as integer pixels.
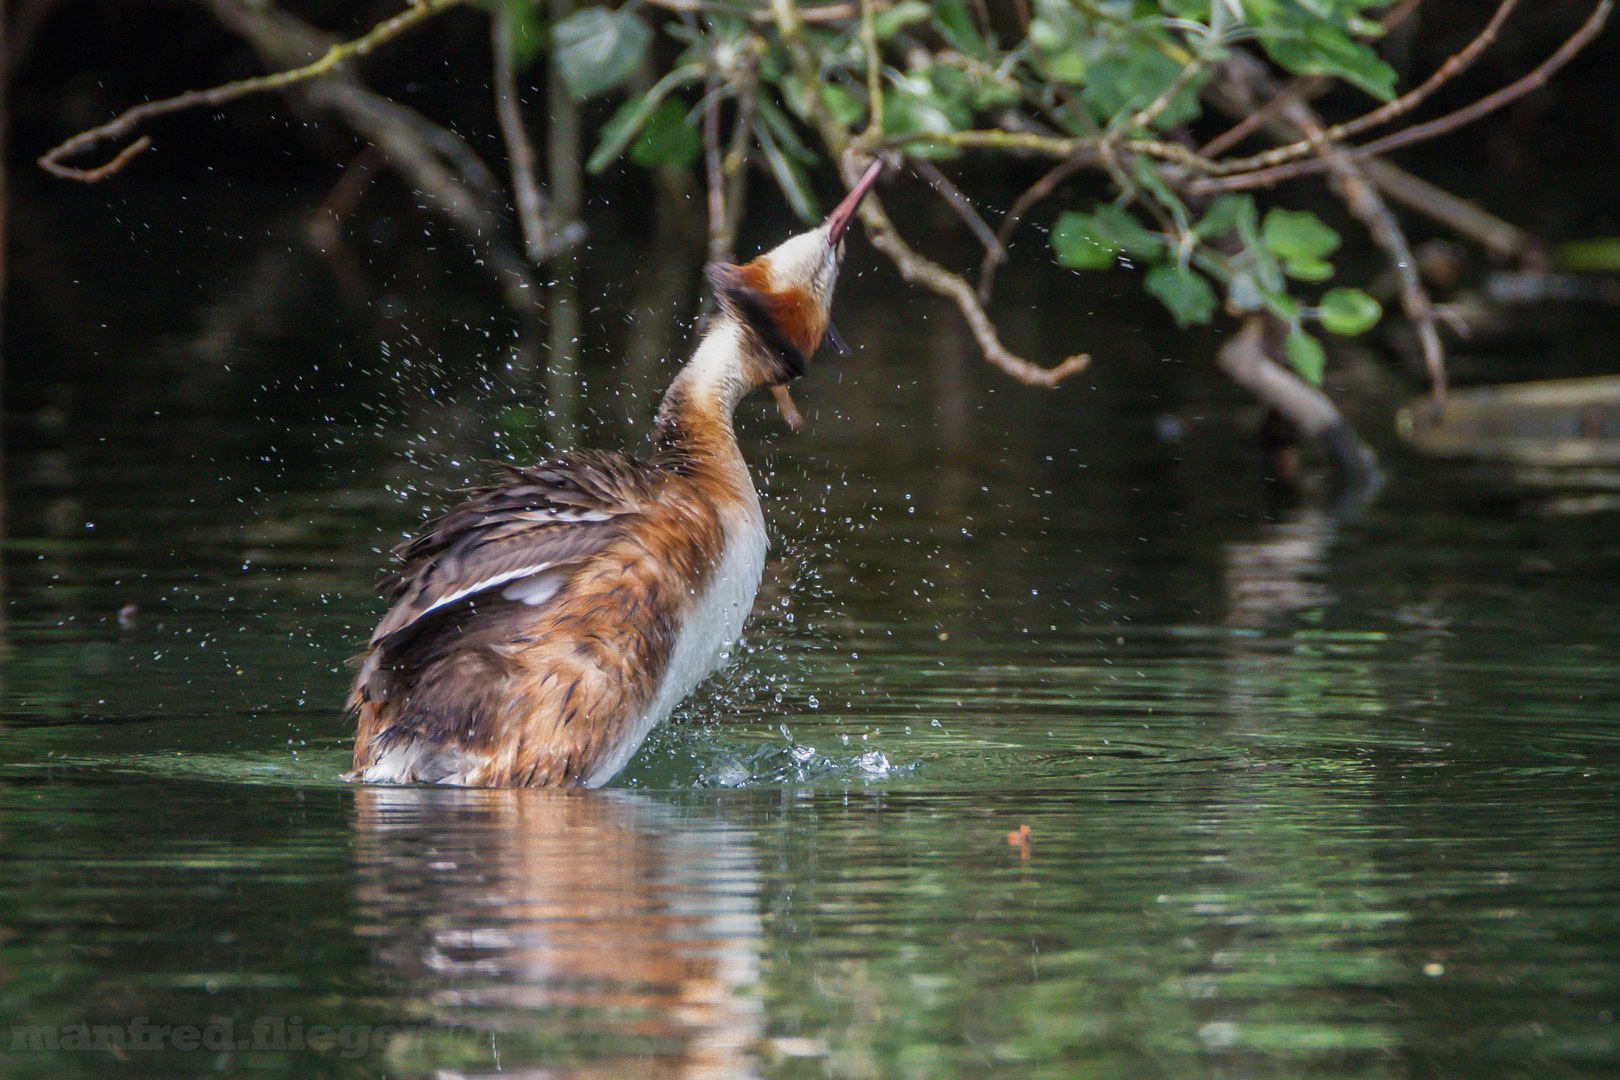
{"type": "Point", "coordinates": [486, 583]}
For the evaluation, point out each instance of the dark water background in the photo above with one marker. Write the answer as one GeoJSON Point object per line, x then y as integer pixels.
{"type": "Point", "coordinates": [1304, 797]}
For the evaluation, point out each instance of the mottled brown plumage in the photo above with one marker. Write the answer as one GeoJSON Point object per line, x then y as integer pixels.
{"type": "Point", "coordinates": [541, 628]}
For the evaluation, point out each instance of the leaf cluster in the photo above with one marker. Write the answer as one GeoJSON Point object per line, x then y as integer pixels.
{"type": "Point", "coordinates": [1114, 85]}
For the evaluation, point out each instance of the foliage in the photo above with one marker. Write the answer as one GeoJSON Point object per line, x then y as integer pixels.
{"type": "Point", "coordinates": [598, 48]}
{"type": "Point", "coordinates": [1124, 89]}
{"type": "Point", "coordinates": [1103, 82]}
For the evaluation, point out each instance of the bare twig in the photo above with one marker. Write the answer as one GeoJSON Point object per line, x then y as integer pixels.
{"type": "Point", "coordinates": [384, 31]}
{"type": "Point", "coordinates": [1051, 146]}
{"type": "Point", "coordinates": [1363, 201]}
{"type": "Point", "coordinates": [716, 183]}
{"type": "Point", "coordinates": [734, 172]}
{"type": "Point", "coordinates": [874, 71]}
{"type": "Point", "coordinates": [1256, 119]}
{"type": "Point", "coordinates": [325, 230]}
{"type": "Point", "coordinates": [566, 179]}
{"type": "Point", "coordinates": [1420, 132]}
{"type": "Point", "coordinates": [884, 236]}
{"type": "Point", "coordinates": [827, 13]}
{"type": "Point", "coordinates": [1037, 191]}
{"type": "Point", "coordinates": [1393, 110]}
{"type": "Point", "coordinates": [1399, 14]}
{"type": "Point", "coordinates": [526, 194]}
{"type": "Point", "coordinates": [962, 205]}
{"type": "Point", "coordinates": [1155, 108]}
{"type": "Point", "coordinates": [413, 146]}
{"type": "Point", "coordinates": [1500, 237]}
{"type": "Point", "coordinates": [1245, 81]}
{"type": "Point", "coordinates": [1244, 93]}
{"type": "Point", "coordinates": [914, 267]}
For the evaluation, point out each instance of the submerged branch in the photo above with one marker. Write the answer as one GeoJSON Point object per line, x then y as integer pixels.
{"type": "Point", "coordinates": [1247, 358]}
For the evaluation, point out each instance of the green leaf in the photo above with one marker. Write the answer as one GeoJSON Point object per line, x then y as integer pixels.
{"type": "Point", "coordinates": [1226, 214]}
{"type": "Point", "coordinates": [1282, 305]}
{"type": "Point", "coordinates": [1080, 244]}
{"type": "Point", "coordinates": [598, 48]}
{"type": "Point", "coordinates": [1298, 234]}
{"type": "Point", "coordinates": [1308, 269]}
{"type": "Point", "coordinates": [845, 107]}
{"type": "Point", "coordinates": [782, 131]}
{"type": "Point", "coordinates": [1187, 294]}
{"type": "Point", "coordinates": [633, 115]}
{"type": "Point", "coordinates": [1091, 241]}
{"type": "Point", "coordinates": [1301, 241]}
{"type": "Point", "coordinates": [1315, 47]}
{"type": "Point", "coordinates": [956, 23]}
{"type": "Point", "coordinates": [1063, 41]}
{"type": "Point", "coordinates": [668, 138]}
{"type": "Point", "coordinates": [789, 174]}
{"type": "Point", "coordinates": [1125, 82]}
{"type": "Point", "coordinates": [1348, 312]}
{"type": "Point", "coordinates": [914, 104]}
{"type": "Point", "coordinates": [1307, 356]}
{"type": "Point", "coordinates": [1127, 232]}
{"type": "Point", "coordinates": [1062, 64]}
{"type": "Point", "coordinates": [1148, 175]}
{"type": "Point", "coordinates": [528, 31]}
{"type": "Point", "coordinates": [890, 21]}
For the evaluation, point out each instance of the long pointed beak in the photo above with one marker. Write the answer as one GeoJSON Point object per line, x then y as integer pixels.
{"type": "Point", "coordinates": [844, 212]}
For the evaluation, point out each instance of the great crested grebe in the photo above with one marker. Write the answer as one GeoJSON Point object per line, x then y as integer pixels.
{"type": "Point", "coordinates": [543, 627]}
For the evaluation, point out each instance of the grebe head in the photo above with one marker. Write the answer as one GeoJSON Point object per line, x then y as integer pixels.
{"type": "Point", "coordinates": [784, 297]}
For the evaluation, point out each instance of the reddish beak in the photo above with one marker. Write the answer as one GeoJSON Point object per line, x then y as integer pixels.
{"type": "Point", "coordinates": [844, 213]}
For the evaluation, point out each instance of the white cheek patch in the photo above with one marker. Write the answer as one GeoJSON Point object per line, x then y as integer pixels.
{"type": "Point", "coordinates": [800, 260]}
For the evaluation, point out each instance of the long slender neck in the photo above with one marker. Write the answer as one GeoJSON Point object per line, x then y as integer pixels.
{"type": "Point", "coordinates": [694, 428]}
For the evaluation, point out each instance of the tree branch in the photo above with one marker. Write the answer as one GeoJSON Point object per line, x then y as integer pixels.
{"type": "Point", "coordinates": [1246, 357]}
{"type": "Point", "coordinates": [384, 31]}
{"type": "Point", "coordinates": [1420, 132]}
{"type": "Point", "coordinates": [526, 194]}
{"type": "Point", "coordinates": [1449, 70]}
{"type": "Point", "coordinates": [884, 236]}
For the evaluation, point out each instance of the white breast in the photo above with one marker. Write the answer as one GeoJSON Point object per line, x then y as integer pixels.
{"type": "Point", "coordinates": [713, 623]}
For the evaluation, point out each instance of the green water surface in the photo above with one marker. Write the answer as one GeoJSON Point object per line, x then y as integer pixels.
{"type": "Point", "coordinates": [1303, 797]}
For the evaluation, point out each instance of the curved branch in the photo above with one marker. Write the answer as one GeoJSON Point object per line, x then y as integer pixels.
{"type": "Point", "coordinates": [1392, 110]}
{"type": "Point", "coordinates": [1246, 357]}
{"type": "Point", "coordinates": [384, 31]}
{"type": "Point", "coordinates": [1420, 132]}
{"type": "Point", "coordinates": [527, 196]}
{"type": "Point", "coordinates": [1037, 191]}
{"type": "Point", "coordinates": [884, 236]}
{"type": "Point", "coordinates": [915, 267]}
{"type": "Point", "coordinates": [1051, 146]}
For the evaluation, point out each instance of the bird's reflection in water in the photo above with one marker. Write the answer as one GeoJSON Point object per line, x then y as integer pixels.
{"type": "Point", "coordinates": [1276, 574]}
{"type": "Point", "coordinates": [556, 934]}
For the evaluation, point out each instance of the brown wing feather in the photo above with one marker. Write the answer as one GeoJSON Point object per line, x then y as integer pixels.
{"type": "Point", "coordinates": [552, 514]}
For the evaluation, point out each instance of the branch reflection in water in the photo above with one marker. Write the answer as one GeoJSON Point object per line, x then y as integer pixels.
{"type": "Point", "coordinates": [581, 933]}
